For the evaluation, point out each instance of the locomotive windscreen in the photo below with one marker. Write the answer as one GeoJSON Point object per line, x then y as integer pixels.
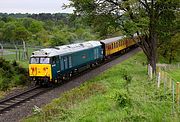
{"type": "Point", "coordinates": [37, 60]}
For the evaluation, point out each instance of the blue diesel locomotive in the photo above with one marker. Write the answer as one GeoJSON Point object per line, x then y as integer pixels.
{"type": "Point", "coordinates": [53, 65]}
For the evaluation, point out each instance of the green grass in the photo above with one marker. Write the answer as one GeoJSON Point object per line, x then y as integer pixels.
{"type": "Point", "coordinates": [122, 93]}
{"type": "Point", "coordinates": [175, 74]}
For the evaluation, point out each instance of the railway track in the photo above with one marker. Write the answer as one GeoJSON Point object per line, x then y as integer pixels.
{"type": "Point", "coordinates": [11, 102]}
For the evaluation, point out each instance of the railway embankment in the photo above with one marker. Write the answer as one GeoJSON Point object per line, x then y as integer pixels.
{"type": "Point", "coordinates": [122, 93]}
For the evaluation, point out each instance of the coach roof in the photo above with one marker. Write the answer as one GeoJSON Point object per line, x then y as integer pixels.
{"type": "Point", "coordinates": [111, 40]}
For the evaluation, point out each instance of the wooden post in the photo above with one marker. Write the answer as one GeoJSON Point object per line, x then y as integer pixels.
{"type": "Point", "coordinates": [19, 54]}
{"type": "Point", "coordinates": [16, 51]}
{"type": "Point", "coordinates": [162, 75]}
{"type": "Point", "coordinates": [177, 93]}
{"type": "Point", "coordinates": [170, 80]}
{"type": "Point", "coordinates": [165, 77]}
{"type": "Point", "coordinates": [24, 51]}
{"type": "Point", "coordinates": [1, 49]}
{"type": "Point", "coordinates": [150, 71]}
{"type": "Point", "coordinates": [173, 97]}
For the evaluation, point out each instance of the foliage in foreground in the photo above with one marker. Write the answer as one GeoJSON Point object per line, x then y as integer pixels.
{"type": "Point", "coordinates": [11, 75]}
{"type": "Point", "coordinates": [122, 93]}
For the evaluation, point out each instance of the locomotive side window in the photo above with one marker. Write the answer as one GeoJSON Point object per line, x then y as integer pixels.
{"type": "Point", "coordinates": [44, 60]}
{"type": "Point", "coordinates": [53, 60]}
{"type": "Point", "coordinates": [57, 59]}
{"type": "Point", "coordinates": [34, 61]}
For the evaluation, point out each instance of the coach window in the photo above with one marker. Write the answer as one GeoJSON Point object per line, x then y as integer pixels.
{"type": "Point", "coordinates": [109, 47]}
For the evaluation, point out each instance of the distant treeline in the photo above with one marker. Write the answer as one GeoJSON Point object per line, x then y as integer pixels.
{"type": "Point", "coordinates": [43, 29]}
{"type": "Point", "coordinates": [40, 16]}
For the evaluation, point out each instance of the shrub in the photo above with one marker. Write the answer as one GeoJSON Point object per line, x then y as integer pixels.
{"type": "Point", "coordinates": [123, 99]}
{"type": "Point", "coordinates": [4, 84]}
{"type": "Point", "coordinates": [14, 63]}
{"type": "Point", "coordinates": [11, 74]}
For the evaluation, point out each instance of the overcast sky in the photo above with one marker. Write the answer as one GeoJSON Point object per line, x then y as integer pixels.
{"type": "Point", "coordinates": [33, 6]}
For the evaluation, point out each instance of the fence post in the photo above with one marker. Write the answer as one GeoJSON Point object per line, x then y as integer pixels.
{"type": "Point", "coordinates": [177, 93]}
{"type": "Point", "coordinates": [165, 77]}
{"type": "Point", "coordinates": [162, 75]}
{"type": "Point", "coordinates": [16, 51]}
{"type": "Point", "coordinates": [1, 49]}
{"type": "Point", "coordinates": [150, 71]}
{"type": "Point", "coordinates": [170, 80]}
{"type": "Point", "coordinates": [173, 97]}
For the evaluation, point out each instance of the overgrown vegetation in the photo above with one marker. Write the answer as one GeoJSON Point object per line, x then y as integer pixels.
{"type": "Point", "coordinates": [122, 93]}
{"type": "Point", "coordinates": [11, 75]}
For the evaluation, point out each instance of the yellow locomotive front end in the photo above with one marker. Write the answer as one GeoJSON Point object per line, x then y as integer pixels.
{"type": "Point", "coordinates": [40, 70]}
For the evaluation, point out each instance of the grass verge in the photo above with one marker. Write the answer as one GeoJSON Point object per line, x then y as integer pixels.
{"type": "Point", "coordinates": [122, 93]}
{"type": "Point", "coordinates": [175, 74]}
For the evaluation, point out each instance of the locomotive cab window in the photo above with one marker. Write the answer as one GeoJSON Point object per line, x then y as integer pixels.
{"type": "Point", "coordinates": [34, 61]}
{"type": "Point", "coordinates": [38, 60]}
{"type": "Point", "coordinates": [44, 60]}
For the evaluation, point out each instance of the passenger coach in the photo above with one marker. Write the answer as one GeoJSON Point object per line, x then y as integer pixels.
{"type": "Point", "coordinates": [116, 44]}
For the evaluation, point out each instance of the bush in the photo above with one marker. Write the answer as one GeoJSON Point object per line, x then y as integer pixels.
{"type": "Point", "coordinates": [123, 99]}
{"type": "Point", "coordinates": [5, 83]}
{"type": "Point", "coordinates": [11, 74]}
{"type": "Point", "coordinates": [14, 63]}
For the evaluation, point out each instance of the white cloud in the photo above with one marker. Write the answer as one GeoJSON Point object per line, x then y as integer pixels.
{"type": "Point", "coordinates": [33, 6]}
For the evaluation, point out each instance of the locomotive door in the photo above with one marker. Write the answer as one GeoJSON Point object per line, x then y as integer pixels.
{"type": "Point", "coordinates": [58, 64]}
{"type": "Point", "coordinates": [54, 67]}
{"type": "Point", "coordinates": [96, 56]}
{"type": "Point", "coordinates": [65, 59]}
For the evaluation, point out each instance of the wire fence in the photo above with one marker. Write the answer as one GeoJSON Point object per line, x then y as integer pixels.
{"type": "Point", "coordinates": [18, 52]}
{"type": "Point", "coordinates": [170, 85]}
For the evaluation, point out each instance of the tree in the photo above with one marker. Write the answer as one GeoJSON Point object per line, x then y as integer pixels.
{"type": "Point", "coordinates": [9, 31]}
{"type": "Point", "coordinates": [132, 16]}
{"type": "Point", "coordinates": [21, 34]}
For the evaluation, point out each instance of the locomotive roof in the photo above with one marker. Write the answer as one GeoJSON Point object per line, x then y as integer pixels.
{"type": "Point", "coordinates": [65, 49]}
{"type": "Point", "coordinates": [110, 40]}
